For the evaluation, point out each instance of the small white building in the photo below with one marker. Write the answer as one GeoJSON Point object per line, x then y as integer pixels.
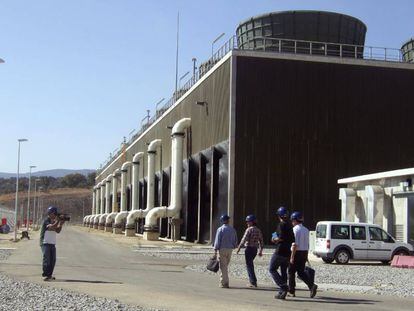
{"type": "Point", "coordinates": [385, 199]}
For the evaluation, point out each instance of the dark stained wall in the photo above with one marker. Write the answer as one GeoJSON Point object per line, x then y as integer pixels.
{"type": "Point", "coordinates": [300, 126]}
{"type": "Point", "coordinates": [209, 124]}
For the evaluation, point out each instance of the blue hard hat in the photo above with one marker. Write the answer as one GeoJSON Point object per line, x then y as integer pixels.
{"type": "Point", "coordinates": [224, 217]}
{"type": "Point", "coordinates": [251, 218]}
{"type": "Point", "coordinates": [296, 216]}
{"type": "Point", "coordinates": [52, 210]}
{"type": "Point", "coordinates": [282, 212]}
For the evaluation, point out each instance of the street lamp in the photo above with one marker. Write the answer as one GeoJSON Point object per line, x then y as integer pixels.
{"type": "Point", "coordinates": [1, 61]}
{"type": "Point", "coordinates": [28, 197]}
{"type": "Point", "coordinates": [214, 41]}
{"type": "Point", "coordinates": [16, 202]}
{"type": "Point", "coordinates": [34, 202]}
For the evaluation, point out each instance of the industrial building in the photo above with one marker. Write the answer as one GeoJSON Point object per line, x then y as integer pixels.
{"type": "Point", "coordinates": [385, 199]}
{"type": "Point", "coordinates": [283, 110]}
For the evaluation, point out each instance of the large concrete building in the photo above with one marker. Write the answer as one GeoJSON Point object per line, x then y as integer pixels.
{"type": "Point", "coordinates": [274, 124]}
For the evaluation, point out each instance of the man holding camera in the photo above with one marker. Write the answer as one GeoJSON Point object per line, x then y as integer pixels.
{"type": "Point", "coordinates": [50, 227]}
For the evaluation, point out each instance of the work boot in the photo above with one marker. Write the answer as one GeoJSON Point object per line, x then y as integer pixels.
{"type": "Point", "coordinates": [313, 290]}
{"type": "Point", "coordinates": [281, 295]}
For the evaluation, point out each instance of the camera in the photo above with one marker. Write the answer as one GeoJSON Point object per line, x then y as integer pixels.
{"type": "Point", "coordinates": [64, 217]}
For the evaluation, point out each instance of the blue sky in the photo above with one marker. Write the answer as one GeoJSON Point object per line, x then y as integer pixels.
{"type": "Point", "coordinates": [80, 74]}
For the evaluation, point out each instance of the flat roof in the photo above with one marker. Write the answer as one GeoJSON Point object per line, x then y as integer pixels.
{"type": "Point", "coordinates": [381, 175]}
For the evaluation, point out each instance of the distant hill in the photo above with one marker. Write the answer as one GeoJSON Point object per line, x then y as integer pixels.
{"type": "Point", "coordinates": [52, 173]}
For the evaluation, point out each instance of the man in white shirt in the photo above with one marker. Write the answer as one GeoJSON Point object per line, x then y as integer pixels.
{"type": "Point", "coordinates": [299, 256]}
{"type": "Point", "coordinates": [50, 227]}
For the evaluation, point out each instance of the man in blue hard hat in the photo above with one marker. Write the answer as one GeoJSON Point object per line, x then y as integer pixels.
{"type": "Point", "coordinates": [299, 256]}
{"type": "Point", "coordinates": [252, 240]}
{"type": "Point", "coordinates": [224, 243]}
{"type": "Point", "coordinates": [283, 238]}
{"type": "Point", "coordinates": [50, 227]}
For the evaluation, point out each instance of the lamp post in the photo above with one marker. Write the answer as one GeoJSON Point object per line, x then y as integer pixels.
{"type": "Point", "coordinates": [16, 201]}
{"type": "Point", "coordinates": [28, 198]}
{"type": "Point", "coordinates": [34, 202]}
{"type": "Point", "coordinates": [1, 61]}
{"type": "Point", "coordinates": [214, 41]}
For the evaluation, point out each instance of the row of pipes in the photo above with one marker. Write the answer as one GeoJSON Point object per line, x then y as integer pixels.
{"type": "Point", "coordinates": [104, 219]}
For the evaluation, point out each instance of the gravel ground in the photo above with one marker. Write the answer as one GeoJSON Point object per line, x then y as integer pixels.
{"type": "Point", "coordinates": [4, 254]}
{"type": "Point", "coordinates": [363, 278]}
{"type": "Point", "coordinates": [21, 296]}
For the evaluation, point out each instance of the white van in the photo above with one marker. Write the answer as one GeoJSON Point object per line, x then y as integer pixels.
{"type": "Point", "coordinates": [342, 241]}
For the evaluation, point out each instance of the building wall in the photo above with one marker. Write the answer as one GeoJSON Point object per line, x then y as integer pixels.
{"type": "Point", "coordinates": [302, 125]}
{"type": "Point", "coordinates": [209, 124]}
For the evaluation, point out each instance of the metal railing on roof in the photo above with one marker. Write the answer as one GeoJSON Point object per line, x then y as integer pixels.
{"type": "Point", "coordinates": [266, 44]}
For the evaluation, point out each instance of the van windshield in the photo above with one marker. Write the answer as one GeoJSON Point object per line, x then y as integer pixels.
{"type": "Point", "coordinates": [321, 231]}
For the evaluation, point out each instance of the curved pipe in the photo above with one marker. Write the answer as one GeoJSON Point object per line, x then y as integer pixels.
{"type": "Point", "coordinates": [174, 208]}
{"type": "Point", "coordinates": [111, 217]}
{"type": "Point", "coordinates": [136, 162]}
{"type": "Point", "coordinates": [102, 219]}
{"type": "Point", "coordinates": [134, 215]}
{"type": "Point", "coordinates": [120, 217]}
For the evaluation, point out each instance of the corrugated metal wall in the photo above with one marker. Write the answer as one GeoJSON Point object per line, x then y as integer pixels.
{"type": "Point", "coordinates": [302, 125]}
{"type": "Point", "coordinates": [209, 124]}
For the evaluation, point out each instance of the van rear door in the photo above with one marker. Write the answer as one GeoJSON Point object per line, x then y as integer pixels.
{"type": "Point", "coordinates": [321, 238]}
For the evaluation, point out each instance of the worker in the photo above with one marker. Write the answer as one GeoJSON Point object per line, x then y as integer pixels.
{"type": "Point", "coordinates": [50, 227]}
{"type": "Point", "coordinates": [299, 256]}
{"type": "Point", "coordinates": [252, 240]}
{"type": "Point", "coordinates": [224, 244]}
{"type": "Point", "coordinates": [283, 238]}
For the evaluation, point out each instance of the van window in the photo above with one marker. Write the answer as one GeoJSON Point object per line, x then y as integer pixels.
{"type": "Point", "coordinates": [321, 231]}
{"type": "Point", "coordinates": [340, 232]}
{"type": "Point", "coordinates": [377, 234]}
{"type": "Point", "coordinates": [359, 233]}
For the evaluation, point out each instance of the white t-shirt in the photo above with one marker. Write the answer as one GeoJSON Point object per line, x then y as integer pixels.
{"type": "Point", "coordinates": [301, 237]}
{"type": "Point", "coordinates": [50, 237]}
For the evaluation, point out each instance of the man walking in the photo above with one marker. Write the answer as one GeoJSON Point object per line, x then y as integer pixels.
{"type": "Point", "coordinates": [283, 238]}
{"type": "Point", "coordinates": [252, 239]}
{"type": "Point", "coordinates": [225, 242]}
{"type": "Point", "coordinates": [50, 227]}
{"type": "Point", "coordinates": [299, 255]}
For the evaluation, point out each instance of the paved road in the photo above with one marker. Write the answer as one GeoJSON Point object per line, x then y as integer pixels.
{"type": "Point", "coordinates": [100, 266]}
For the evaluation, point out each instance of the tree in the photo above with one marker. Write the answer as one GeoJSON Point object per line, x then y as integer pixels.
{"type": "Point", "coordinates": [91, 179]}
{"type": "Point", "coordinates": [74, 181]}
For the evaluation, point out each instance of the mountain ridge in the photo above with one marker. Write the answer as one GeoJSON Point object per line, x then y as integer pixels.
{"type": "Point", "coordinates": [52, 173]}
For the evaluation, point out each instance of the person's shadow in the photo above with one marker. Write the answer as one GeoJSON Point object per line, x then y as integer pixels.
{"type": "Point", "coordinates": [85, 281]}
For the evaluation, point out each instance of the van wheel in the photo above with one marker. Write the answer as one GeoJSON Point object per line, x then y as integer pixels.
{"type": "Point", "coordinates": [327, 260]}
{"type": "Point", "coordinates": [342, 256]}
{"type": "Point", "coordinates": [401, 252]}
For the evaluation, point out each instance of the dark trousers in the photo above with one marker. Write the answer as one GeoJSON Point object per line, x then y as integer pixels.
{"type": "Point", "coordinates": [299, 266]}
{"type": "Point", "coordinates": [49, 259]}
{"type": "Point", "coordinates": [250, 254]}
{"type": "Point", "coordinates": [282, 262]}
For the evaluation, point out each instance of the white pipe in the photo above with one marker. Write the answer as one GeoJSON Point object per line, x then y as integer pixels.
{"type": "Point", "coordinates": [95, 218]}
{"type": "Point", "coordinates": [173, 210]}
{"type": "Point", "coordinates": [110, 218]}
{"type": "Point", "coordinates": [93, 200]}
{"type": "Point", "coordinates": [101, 207]}
{"type": "Point", "coordinates": [102, 219]}
{"type": "Point", "coordinates": [135, 179]}
{"type": "Point", "coordinates": [134, 215]}
{"type": "Point", "coordinates": [120, 217]}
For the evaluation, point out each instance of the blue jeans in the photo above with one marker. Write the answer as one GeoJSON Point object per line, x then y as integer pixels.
{"type": "Point", "coordinates": [276, 262]}
{"type": "Point", "coordinates": [49, 259]}
{"type": "Point", "coordinates": [250, 254]}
